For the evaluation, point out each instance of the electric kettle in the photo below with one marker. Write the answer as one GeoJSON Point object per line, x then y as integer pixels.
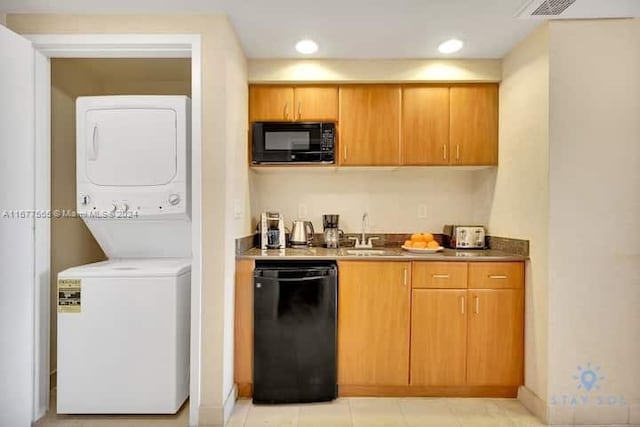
{"type": "Point", "coordinates": [301, 233]}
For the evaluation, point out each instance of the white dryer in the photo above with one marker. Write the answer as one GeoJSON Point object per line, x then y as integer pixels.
{"type": "Point", "coordinates": [123, 324]}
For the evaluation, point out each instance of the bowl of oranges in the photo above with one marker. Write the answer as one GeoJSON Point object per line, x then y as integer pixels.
{"type": "Point", "coordinates": [422, 243]}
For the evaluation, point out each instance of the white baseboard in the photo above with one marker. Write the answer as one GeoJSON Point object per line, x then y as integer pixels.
{"type": "Point", "coordinates": [217, 416]}
{"type": "Point", "coordinates": [533, 403]}
{"type": "Point", "coordinates": [230, 402]}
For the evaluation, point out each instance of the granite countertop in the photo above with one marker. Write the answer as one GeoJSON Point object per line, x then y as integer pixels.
{"type": "Point", "coordinates": [378, 253]}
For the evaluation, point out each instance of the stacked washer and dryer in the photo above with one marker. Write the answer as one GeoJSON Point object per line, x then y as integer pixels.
{"type": "Point", "coordinates": [123, 324]}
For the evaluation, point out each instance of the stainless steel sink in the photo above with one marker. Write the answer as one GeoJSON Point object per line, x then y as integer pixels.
{"type": "Point", "coordinates": [368, 252]}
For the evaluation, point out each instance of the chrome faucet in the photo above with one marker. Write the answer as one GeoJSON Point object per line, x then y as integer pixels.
{"type": "Point", "coordinates": [364, 244]}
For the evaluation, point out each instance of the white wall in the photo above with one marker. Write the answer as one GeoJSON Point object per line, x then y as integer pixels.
{"type": "Point", "coordinates": [72, 243]}
{"type": "Point", "coordinates": [237, 196]}
{"type": "Point", "coordinates": [516, 194]}
{"type": "Point", "coordinates": [594, 225]}
{"type": "Point", "coordinates": [341, 70]}
{"type": "Point", "coordinates": [391, 197]}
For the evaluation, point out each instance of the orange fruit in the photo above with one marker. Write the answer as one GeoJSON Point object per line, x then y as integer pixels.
{"type": "Point", "coordinates": [417, 237]}
{"type": "Point", "coordinates": [433, 245]}
{"type": "Point", "coordinates": [420, 245]}
{"type": "Point", "coordinates": [427, 237]}
{"type": "Point", "coordinates": [408, 243]}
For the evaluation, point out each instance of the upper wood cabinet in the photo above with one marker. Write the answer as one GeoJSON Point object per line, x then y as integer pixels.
{"type": "Point", "coordinates": [317, 103]}
{"type": "Point", "coordinates": [425, 125]}
{"type": "Point", "coordinates": [474, 124]}
{"type": "Point", "coordinates": [369, 125]}
{"type": "Point", "coordinates": [391, 125]}
{"type": "Point", "coordinates": [287, 103]}
{"type": "Point", "coordinates": [373, 322]}
{"type": "Point", "coordinates": [270, 103]}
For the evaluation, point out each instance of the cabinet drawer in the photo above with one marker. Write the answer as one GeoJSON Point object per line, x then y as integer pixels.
{"type": "Point", "coordinates": [440, 275]}
{"type": "Point", "coordinates": [496, 275]}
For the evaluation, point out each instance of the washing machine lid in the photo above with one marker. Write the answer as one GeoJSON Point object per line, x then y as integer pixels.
{"type": "Point", "coordinates": [130, 267]}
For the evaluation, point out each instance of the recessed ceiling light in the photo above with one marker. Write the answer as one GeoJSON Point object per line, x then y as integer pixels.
{"type": "Point", "coordinates": [450, 46]}
{"type": "Point", "coordinates": [307, 47]}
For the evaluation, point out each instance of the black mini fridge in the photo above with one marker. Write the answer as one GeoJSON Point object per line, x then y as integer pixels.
{"type": "Point", "coordinates": [294, 338]}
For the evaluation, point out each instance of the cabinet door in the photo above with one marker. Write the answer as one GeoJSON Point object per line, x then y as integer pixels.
{"type": "Point", "coordinates": [316, 103]}
{"type": "Point", "coordinates": [495, 337]}
{"type": "Point", "coordinates": [438, 337]}
{"type": "Point", "coordinates": [369, 125]}
{"type": "Point", "coordinates": [271, 103]}
{"type": "Point", "coordinates": [425, 126]}
{"type": "Point", "coordinates": [373, 323]}
{"type": "Point", "coordinates": [474, 124]}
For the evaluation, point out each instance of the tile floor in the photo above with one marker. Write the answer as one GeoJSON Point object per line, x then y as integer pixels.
{"type": "Point", "coordinates": [347, 412]}
{"type": "Point", "coordinates": [387, 412]}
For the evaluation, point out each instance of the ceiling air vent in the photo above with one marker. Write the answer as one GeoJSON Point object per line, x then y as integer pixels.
{"type": "Point", "coordinates": [544, 8]}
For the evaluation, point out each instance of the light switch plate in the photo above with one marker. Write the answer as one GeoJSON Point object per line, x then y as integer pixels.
{"type": "Point", "coordinates": [237, 209]}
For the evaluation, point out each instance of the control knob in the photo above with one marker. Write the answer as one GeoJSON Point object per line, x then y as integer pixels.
{"type": "Point", "coordinates": [85, 200]}
{"type": "Point", "coordinates": [174, 199]}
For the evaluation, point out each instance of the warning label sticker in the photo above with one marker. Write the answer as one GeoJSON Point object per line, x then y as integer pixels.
{"type": "Point", "coordinates": [69, 291]}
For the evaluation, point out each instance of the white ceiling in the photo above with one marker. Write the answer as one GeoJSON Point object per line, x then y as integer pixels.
{"type": "Point", "coordinates": [353, 28]}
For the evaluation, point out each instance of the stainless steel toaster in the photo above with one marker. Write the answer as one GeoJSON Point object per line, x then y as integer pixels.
{"type": "Point", "coordinates": [465, 236]}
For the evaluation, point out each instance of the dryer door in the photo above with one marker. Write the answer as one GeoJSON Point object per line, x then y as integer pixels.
{"type": "Point", "coordinates": [130, 146]}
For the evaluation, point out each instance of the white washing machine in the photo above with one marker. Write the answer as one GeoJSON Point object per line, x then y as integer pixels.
{"type": "Point", "coordinates": [123, 344]}
{"type": "Point", "coordinates": [123, 324]}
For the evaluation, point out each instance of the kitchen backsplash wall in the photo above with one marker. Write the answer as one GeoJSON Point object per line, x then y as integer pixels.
{"type": "Point", "coordinates": [396, 200]}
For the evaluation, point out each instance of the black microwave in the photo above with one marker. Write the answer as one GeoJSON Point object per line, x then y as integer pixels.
{"type": "Point", "coordinates": [282, 142]}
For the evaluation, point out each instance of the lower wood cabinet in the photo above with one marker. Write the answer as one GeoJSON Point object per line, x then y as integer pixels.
{"type": "Point", "coordinates": [373, 322]}
{"type": "Point", "coordinates": [243, 331]}
{"type": "Point", "coordinates": [438, 337]}
{"type": "Point", "coordinates": [495, 342]}
{"type": "Point", "coordinates": [472, 338]}
{"type": "Point", "coordinates": [463, 340]}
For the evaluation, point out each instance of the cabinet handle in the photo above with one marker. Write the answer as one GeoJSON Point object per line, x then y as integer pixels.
{"type": "Point", "coordinates": [461, 305]}
{"type": "Point", "coordinates": [497, 276]}
{"type": "Point", "coordinates": [404, 277]}
{"type": "Point", "coordinates": [299, 109]}
{"type": "Point", "coordinates": [345, 151]}
{"type": "Point", "coordinates": [477, 300]}
{"type": "Point", "coordinates": [286, 110]}
{"type": "Point", "coordinates": [457, 151]}
{"type": "Point", "coordinates": [444, 151]}
{"type": "Point", "coordinates": [440, 276]}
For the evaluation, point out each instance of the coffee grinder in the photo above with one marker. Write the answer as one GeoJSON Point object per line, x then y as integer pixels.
{"type": "Point", "coordinates": [331, 231]}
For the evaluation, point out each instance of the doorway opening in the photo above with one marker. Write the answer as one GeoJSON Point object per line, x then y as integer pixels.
{"type": "Point", "coordinates": [72, 244]}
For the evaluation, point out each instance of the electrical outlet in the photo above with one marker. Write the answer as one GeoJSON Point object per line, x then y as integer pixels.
{"type": "Point", "coordinates": [302, 210]}
{"type": "Point", "coordinates": [422, 210]}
